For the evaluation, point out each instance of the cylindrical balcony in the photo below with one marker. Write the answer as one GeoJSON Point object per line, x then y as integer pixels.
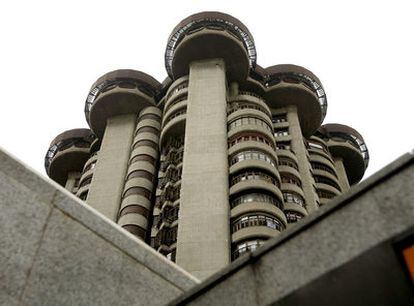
{"type": "Point", "coordinates": [67, 153]}
{"type": "Point", "coordinates": [210, 35]}
{"type": "Point", "coordinates": [119, 92]}
{"type": "Point", "coordinates": [295, 85]}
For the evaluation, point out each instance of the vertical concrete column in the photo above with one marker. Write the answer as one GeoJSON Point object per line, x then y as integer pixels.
{"type": "Point", "coordinates": [109, 175]}
{"type": "Point", "coordinates": [70, 182]}
{"type": "Point", "coordinates": [300, 150]}
{"type": "Point", "coordinates": [203, 242]}
{"type": "Point", "coordinates": [342, 177]}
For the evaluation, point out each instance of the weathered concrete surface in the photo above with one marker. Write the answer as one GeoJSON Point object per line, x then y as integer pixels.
{"type": "Point", "coordinates": [203, 243]}
{"type": "Point", "coordinates": [108, 179]}
{"type": "Point", "coordinates": [55, 250]}
{"type": "Point", "coordinates": [343, 254]}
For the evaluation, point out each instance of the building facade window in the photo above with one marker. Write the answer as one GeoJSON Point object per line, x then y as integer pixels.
{"type": "Point", "coordinates": [281, 132]}
{"type": "Point", "coordinates": [246, 247]}
{"type": "Point", "coordinates": [257, 220]}
{"type": "Point", "coordinates": [293, 216]}
{"type": "Point", "coordinates": [279, 118]}
{"type": "Point", "coordinates": [249, 120]}
{"type": "Point", "coordinates": [292, 197]}
{"type": "Point", "coordinates": [286, 161]}
{"type": "Point", "coordinates": [327, 181]}
{"type": "Point", "coordinates": [256, 197]}
{"type": "Point", "coordinates": [253, 175]}
{"type": "Point", "coordinates": [239, 138]}
{"type": "Point", "coordinates": [255, 155]}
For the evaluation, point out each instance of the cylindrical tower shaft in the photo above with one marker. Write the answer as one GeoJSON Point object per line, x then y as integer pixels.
{"type": "Point", "coordinates": [299, 148]}
{"type": "Point", "coordinates": [109, 176]}
{"type": "Point", "coordinates": [203, 233]}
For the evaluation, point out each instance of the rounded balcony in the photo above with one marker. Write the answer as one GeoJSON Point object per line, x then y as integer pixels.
{"type": "Point", "coordinates": [294, 85]}
{"type": "Point", "coordinates": [255, 81]}
{"type": "Point", "coordinates": [346, 143]}
{"type": "Point", "coordinates": [116, 93]}
{"type": "Point", "coordinates": [255, 225]}
{"type": "Point", "coordinates": [209, 35]}
{"type": "Point", "coordinates": [68, 152]}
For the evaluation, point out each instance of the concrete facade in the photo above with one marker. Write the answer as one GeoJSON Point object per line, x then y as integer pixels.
{"type": "Point", "coordinates": [204, 200]}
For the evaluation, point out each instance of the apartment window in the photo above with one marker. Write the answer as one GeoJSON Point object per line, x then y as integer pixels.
{"type": "Point", "coordinates": [321, 166]}
{"type": "Point", "coordinates": [293, 216]}
{"type": "Point", "coordinates": [324, 194]}
{"type": "Point", "coordinates": [292, 197]}
{"type": "Point", "coordinates": [256, 197]}
{"type": "Point", "coordinates": [246, 247]}
{"type": "Point", "coordinates": [283, 145]}
{"type": "Point", "coordinates": [286, 161]}
{"type": "Point", "coordinates": [290, 179]}
{"type": "Point", "coordinates": [257, 220]}
{"type": "Point", "coordinates": [249, 120]}
{"type": "Point", "coordinates": [327, 181]}
{"type": "Point", "coordinates": [278, 118]}
{"type": "Point", "coordinates": [253, 175]}
{"type": "Point", "coordinates": [256, 155]}
{"type": "Point", "coordinates": [249, 137]}
{"type": "Point", "coordinates": [281, 132]}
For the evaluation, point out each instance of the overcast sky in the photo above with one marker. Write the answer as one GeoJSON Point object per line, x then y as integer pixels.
{"type": "Point", "coordinates": [52, 52]}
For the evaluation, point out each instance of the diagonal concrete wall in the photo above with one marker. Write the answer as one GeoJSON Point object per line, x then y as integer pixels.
{"type": "Point", "coordinates": [343, 254]}
{"type": "Point", "coordinates": [54, 250]}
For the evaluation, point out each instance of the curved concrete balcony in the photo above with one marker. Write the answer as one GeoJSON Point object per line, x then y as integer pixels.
{"type": "Point", "coordinates": [346, 143]}
{"type": "Point", "coordinates": [352, 159]}
{"type": "Point", "coordinates": [144, 150]}
{"type": "Point", "coordinates": [254, 164]}
{"type": "Point", "coordinates": [295, 207]}
{"type": "Point", "coordinates": [209, 35]}
{"type": "Point", "coordinates": [119, 92]}
{"type": "Point", "coordinates": [254, 81]}
{"type": "Point", "coordinates": [135, 199]}
{"type": "Point", "coordinates": [293, 188]}
{"type": "Point", "coordinates": [156, 124]}
{"type": "Point", "coordinates": [82, 190]}
{"type": "Point", "coordinates": [145, 136]}
{"type": "Point", "coordinates": [255, 184]}
{"type": "Point", "coordinates": [68, 152]}
{"type": "Point", "coordinates": [254, 232]}
{"type": "Point", "coordinates": [174, 128]}
{"type": "Point", "coordinates": [289, 170]}
{"type": "Point", "coordinates": [138, 182]}
{"type": "Point", "coordinates": [326, 174]}
{"type": "Point", "coordinates": [141, 165]}
{"type": "Point", "coordinates": [86, 175]}
{"type": "Point", "coordinates": [168, 115]}
{"type": "Point", "coordinates": [321, 158]}
{"type": "Point", "coordinates": [252, 145]}
{"type": "Point", "coordinates": [320, 153]}
{"type": "Point", "coordinates": [295, 85]}
{"type": "Point", "coordinates": [92, 159]}
{"type": "Point", "coordinates": [255, 99]}
{"type": "Point", "coordinates": [287, 153]}
{"type": "Point", "coordinates": [254, 128]}
{"type": "Point", "coordinates": [329, 188]}
{"type": "Point", "coordinates": [254, 207]}
{"type": "Point", "coordinates": [249, 112]}
{"type": "Point", "coordinates": [133, 219]}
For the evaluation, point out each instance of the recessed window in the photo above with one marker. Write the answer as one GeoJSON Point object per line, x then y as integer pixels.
{"type": "Point", "coordinates": [281, 132]}
{"type": "Point", "coordinates": [278, 118]}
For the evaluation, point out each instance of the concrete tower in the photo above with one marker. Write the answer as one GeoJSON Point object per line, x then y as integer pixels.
{"type": "Point", "coordinates": [220, 157]}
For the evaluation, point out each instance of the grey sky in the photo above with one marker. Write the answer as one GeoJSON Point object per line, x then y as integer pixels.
{"type": "Point", "coordinates": [52, 52]}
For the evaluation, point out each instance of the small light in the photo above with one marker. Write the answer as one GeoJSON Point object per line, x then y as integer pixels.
{"type": "Point", "coordinates": [408, 255]}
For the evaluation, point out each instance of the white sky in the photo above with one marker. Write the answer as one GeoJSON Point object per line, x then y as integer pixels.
{"type": "Point", "coordinates": [52, 52]}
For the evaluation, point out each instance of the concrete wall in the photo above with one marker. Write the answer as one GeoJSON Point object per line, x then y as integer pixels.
{"type": "Point", "coordinates": [55, 250]}
{"type": "Point", "coordinates": [203, 243]}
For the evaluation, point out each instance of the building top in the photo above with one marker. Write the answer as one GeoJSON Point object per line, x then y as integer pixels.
{"type": "Point", "coordinates": [210, 35]}
{"type": "Point", "coordinates": [68, 152]}
{"type": "Point", "coordinates": [135, 87]}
